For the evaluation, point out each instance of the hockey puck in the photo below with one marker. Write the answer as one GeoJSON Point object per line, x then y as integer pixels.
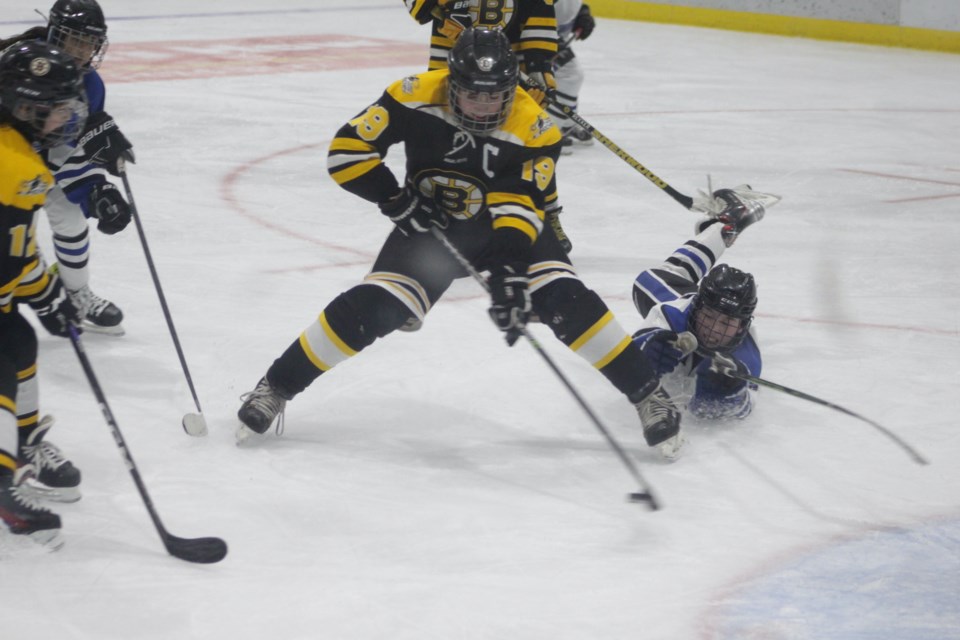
{"type": "Point", "coordinates": [195, 425]}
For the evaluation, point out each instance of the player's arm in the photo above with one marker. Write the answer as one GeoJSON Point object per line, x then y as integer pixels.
{"type": "Point", "coordinates": [10, 269]}
{"type": "Point", "coordinates": [517, 202]}
{"type": "Point", "coordinates": [538, 46]}
{"type": "Point", "coordinates": [723, 396]}
{"type": "Point", "coordinates": [421, 10]}
{"type": "Point", "coordinates": [356, 156]}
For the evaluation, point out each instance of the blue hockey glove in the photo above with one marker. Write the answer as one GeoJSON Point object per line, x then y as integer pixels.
{"type": "Point", "coordinates": [662, 351]}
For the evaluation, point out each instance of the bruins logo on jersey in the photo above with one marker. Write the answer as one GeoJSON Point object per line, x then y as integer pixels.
{"type": "Point", "coordinates": [461, 196]}
{"type": "Point", "coordinates": [36, 187]}
{"type": "Point", "coordinates": [492, 13]}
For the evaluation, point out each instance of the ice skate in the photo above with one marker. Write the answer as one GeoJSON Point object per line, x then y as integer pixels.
{"type": "Point", "coordinates": [260, 408]}
{"type": "Point", "coordinates": [22, 515]}
{"type": "Point", "coordinates": [661, 423]}
{"type": "Point", "coordinates": [54, 477]}
{"type": "Point", "coordinates": [99, 315]}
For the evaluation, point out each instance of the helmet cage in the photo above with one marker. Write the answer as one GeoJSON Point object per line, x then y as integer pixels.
{"type": "Point", "coordinates": [483, 80]}
{"type": "Point", "coordinates": [41, 93]}
{"type": "Point", "coordinates": [723, 308]}
{"type": "Point", "coordinates": [480, 112]}
{"type": "Point", "coordinates": [36, 115]}
{"type": "Point", "coordinates": [86, 48]}
{"type": "Point", "coordinates": [79, 28]}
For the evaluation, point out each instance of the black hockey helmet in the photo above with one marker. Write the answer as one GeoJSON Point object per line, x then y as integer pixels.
{"type": "Point", "coordinates": [723, 308]}
{"type": "Point", "coordinates": [79, 28]}
{"type": "Point", "coordinates": [483, 79]}
{"type": "Point", "coordinates": [41, 93]}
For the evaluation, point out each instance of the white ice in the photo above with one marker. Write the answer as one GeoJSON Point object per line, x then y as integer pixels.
{"type": "Point", "coordinates": [441, 485]}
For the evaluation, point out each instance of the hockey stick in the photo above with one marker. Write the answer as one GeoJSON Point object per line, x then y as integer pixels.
{"type": "Point", "coordinates": [687, 342]}
{"type": "Point", "coordinates": [193, 423]}
{"type": "Point", "coordinates": [684, 200]}
{"type": "Point", "coordinates": [645, 494]}
{"type": "Point", "coordinates": [910, 451]}
{"type": "Point", "coordinates": [199, 550]}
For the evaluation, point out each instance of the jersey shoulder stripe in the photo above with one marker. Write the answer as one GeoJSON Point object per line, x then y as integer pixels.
{"type": "Point", "coordinates": [531, 124]}
{"type": "Point", "coordinates": [429, 88]}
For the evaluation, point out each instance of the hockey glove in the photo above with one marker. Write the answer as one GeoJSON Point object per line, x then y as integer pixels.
{"type": "Point", "coordinates": [412, 212]}
{"type": "Point", "coordinates": [662, 351]}
{"type": "Point", "coordinates": [509, 299]}
{"type": "Point", "coordinates": [104, 143]}
{"type": "Point", "coordinates": [455, 15]}
{"type": "Point", "coordinates": [727, 366]}
{"type": "Point", "coordinates": [57, 316]}
{"type": "Point", "coordinates": [540, 83]}
{"type": "Point", "coordinates": [584, 23]}
{"type": "Point", "coordinates": [108, 206]}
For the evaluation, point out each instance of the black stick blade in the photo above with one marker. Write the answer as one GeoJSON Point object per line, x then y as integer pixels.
{"type": "Point", "coordinates": [199, 550]}
{"type": "Point", "coordinates": [644, 497]}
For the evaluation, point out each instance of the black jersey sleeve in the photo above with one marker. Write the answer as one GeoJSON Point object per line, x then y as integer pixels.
{"type": "Point", "coordinates": [355, 158]}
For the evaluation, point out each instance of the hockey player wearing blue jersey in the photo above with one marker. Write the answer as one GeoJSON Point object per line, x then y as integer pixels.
{"type": "Point", "coordinates": [690, 296]}
{"type": "Point", "coordinates": [81, 168]}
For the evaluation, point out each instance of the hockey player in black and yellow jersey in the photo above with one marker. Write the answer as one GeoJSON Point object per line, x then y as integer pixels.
{"type": "Point", "coordinates": [480, 156]}
{"type": "Point", "coordinates": [530, 26]}
{"type": "Point", "coordinates": [42, 104]}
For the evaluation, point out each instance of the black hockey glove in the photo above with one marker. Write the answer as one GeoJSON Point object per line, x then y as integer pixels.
{"type": "Point", "coordinates": [584, 23]}
{"type": "Point", "coordinates": [412, 212]}
{"type": "Point", "coordinates": [59, 314]}
{"type": "Point", "coordinates": [509, 299]}
{"type": "Point", "coordinates": [662, 351]}
{"type": "Point", "coordinates": [727, 366]}
{"type": "Point", "coordinates": [108, 206]}
{"type": "Point", "coordinates": [104, 143]}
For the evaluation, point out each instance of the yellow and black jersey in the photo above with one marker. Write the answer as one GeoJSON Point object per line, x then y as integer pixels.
{"type": "Point", "coordinates": [504, 179]}
{"type": "Point", "coordinates": [24, 183]}
{"type": "Point", "coordinates": [530, 25]}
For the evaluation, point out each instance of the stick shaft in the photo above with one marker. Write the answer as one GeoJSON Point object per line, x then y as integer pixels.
{"type": "Point", "coordinates": [614, 444]}
{"type": "Point", "coordinates": [910, 451]}
{"type": "Point", "coordinates": [156, 283]}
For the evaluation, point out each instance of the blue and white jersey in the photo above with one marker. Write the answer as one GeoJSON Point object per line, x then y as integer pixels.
{"type": "Point", "coordinates": [70, 165]}
{"type": "Point", "coordinates": [664, 297]}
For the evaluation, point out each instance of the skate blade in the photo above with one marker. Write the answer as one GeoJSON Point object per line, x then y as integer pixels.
{"type": "Point", "coordinates": [48, 538]}
{"type": "Point", "coordinates": [21, 545]}
{"type": "Point", "coordinates": [41, 491]}
{"type": "Point", "coordinates": [89, 327]}
{"type": "Point", "coordinates": [671, 448]}
{"type": "Point", "coordinates": [246, 435]}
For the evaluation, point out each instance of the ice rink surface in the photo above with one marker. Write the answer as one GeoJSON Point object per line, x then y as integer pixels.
{"type": "Point", "coordinates": [441, 485]}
